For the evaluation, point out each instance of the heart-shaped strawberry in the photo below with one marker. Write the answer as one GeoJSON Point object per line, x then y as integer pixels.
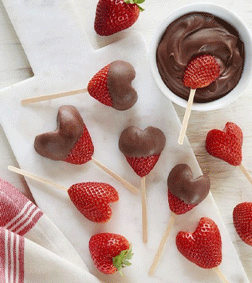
{"type": "Point", "coordinates": [181, 184]}
{"type": "Point", "coordinates": [92, 200]}
{"type": "Point", "coordinates": [142, 149]}
{"type": "Point", "coordinates": [202, 247]}
{"type": "Point", "coordinates": [112, 85]}
{"type": "Point", "coordinates": [242, 218]}
{"type": "Point", "coordinates": [70, 142]}
{"type": "Point", "coordinates": [226, 144]}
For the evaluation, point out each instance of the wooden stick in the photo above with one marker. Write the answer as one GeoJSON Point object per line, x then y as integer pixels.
{"type": "Point", "coordinates": [162, 244]}
{"type": "Point", "coordinates": [221, 275]}
{"type": "Point", "coordinates": [115, 176]}
{"type": "Point", "coordinates": [144, 211]}
{"type": "Point", "coordinates": [245, 172]}
{"type": "Point", "coordinates": [186, 116]}
{"type": "Point", "coordinates": [51, 96]}
{"type": "Point", "coordinates": [34, 177]}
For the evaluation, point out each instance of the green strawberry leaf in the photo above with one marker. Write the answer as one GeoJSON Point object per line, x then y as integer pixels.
{"type": "Point", "coordinates": [137, 2]}
{"type": "Point", "coordinates": [122, 260]}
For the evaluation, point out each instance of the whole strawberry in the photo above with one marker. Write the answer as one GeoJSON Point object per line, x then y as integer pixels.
{"type": "Point", "coordinates": [201, 71]}
{"type": "Point", "coordinates": [202, 247]}
{"type": "Point", "coordinates": [112, 85]}
{"type": "Point", "coordinates": [115, 15]}
{"type": "Point", "coordinates": [110, 252]}
{"type": "Point", "coordinates": [92, 200]}
{"type": "Point", "coordinates": [242, 218]}
{"type": "Point", "coordinates": [226, 144]}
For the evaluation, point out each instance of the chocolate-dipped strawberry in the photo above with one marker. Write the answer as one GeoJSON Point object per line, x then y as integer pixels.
{"type": "Point", "coordinates": [70, 142]}
{"type": "Point", "coordinates": [184, 193]}
{"type": "Point", "coordinates": [110, 86]}
{"type": "Point", "coordinates": [142, 150]}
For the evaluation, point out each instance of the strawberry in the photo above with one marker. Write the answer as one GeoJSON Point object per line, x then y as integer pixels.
{"type": "Point", "coordinates": [226, 144]}
{"type": "Point", "coordinates": [142, 165]}
{"type": "Point", "coordinates": [83, 149]}
{"type": "Point", "coordinates": [112, 85]}
{"type": "Point", "coordinates": [115, 15]}
{"type": "Point", "coordinates": [110, 252]}
{"type": "Point", "coordinates": [201, 71]}
{"type": "Point", "coordinates": [203, 246]}
{"type": "Point", "coordinates": [242, 218]}
{"type": "Point", "coordinates": [177, 205]}
{"type": "Point", "coordinates": [93, 199]}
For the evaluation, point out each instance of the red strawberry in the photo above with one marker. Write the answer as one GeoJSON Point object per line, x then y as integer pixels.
{"type": "Point", "coordinates": [203, 246]}
{"type": "Point", "coordinates": [112, 85]}
{"type": "Point", "coordinates": [242, 217]}
{"type": "Point", "coordinates": [115, 15]}
{"type": "Point", "coordinates": [201, 71]}
{"type": "Point", "coordinates": [226, 144]}
{"type": "Point", "coordinates": [93, 199]}
{"type": "Point", "coordinates": [143, 165]}
{"type": "Point", "coordinates": [177, 205]}
{"type": "Point", "coordinates": [83, 149]}
{"type": "Point", "coordinates": [110, 252]}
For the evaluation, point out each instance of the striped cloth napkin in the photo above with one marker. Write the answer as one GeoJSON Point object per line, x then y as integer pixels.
{"type": "Point", "coordinates": [32, 249]}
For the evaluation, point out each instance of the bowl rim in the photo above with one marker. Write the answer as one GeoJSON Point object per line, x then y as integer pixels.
{"type": "Point", "coordinates": [244, 34]}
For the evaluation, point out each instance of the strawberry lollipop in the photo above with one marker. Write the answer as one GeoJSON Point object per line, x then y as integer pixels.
{"type": "Point", "coordinates": [71, 142]}
{"type": "Point", "coordinates": [142, 150]}
{"type": "Point", "coordinates": [227, 145]}
{"type": "Point", "coordinates": [184, 193]}
{"type": "Point", "coordinates": [202, 247]}
{"type": "Point", "coordinates": [110, 86]}
{"type": "Point", "coordinates": [242, 218]}
{"type": "Point", "coordinates": [200, 72]}
{"type": "Point", "coordinates": [92, 199]}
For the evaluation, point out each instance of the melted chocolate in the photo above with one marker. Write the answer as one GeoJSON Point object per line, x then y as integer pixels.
{"type": "Point", "coordinates": [58, 144]}
{"type": "Point", "coordinates": [180, 183]}
{"type": "Point", "coordinates": [120, 76]}
{"type": "Point", "coordinates": [194, 34]}
{"type": "Point", "coordinates": [134, 142]}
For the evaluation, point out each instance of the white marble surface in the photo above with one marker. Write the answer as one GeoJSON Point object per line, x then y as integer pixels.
{"type": "Point", "coordinates": [25, 134]}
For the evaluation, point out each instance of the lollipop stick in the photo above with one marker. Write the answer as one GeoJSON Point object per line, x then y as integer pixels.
{"type": "Point", "coordinates": [115, 176]}
{"type": "Point", "coordinates": [221, 275]}
{"type": "Point", "coordinates": [162, 244]}
{"type": "Point", "coordinates": [245, 172]}
{"type": "Point", "coordinates": [51, 96]}
{"type": "Point", "coordinates": [144, 211]}
{"type": "Point", "coordinates": [34, 177]}
{"type": "Point", "coordinates": [186, 116]}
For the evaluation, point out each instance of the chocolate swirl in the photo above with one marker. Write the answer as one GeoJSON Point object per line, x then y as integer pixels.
{"type": "Point", "coordinates": [194, 34]}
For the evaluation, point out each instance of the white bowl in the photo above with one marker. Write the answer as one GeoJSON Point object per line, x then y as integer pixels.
{"type": "Point", "coordinates": [245, 36]}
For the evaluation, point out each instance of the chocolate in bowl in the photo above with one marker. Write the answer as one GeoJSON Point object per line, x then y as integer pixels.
{"type": "Point", "coordinates": [200, 33]}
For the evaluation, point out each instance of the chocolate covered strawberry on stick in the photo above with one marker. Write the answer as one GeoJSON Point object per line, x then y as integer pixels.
{"type": "Point", "coordinates": [242, 218]}
{"type": "Point", "coordinates": [110, 86]}
{"type": "Point", "coordinates": [200, 72]}
{"type": "Point", "coordinates": [113, 16]}
{"type": "Point", "coordinates": [227, 145]}
{"type": "Point", "coordinates": [203, 247]}
{"type": "Point", "coordinates": [184, 193]}
{"type": "Point", "coordinates": [72, 143]}
{"type": "Point", "coordinates": [92, 199]}
{"type": "Point", "coordinates": [142, 150]}
{"type": "Point", "coordinates": [110, 252]}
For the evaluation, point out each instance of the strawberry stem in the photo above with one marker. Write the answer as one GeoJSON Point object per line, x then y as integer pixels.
{"type": "Point", "coordinates": [122, 260]}
{"type": "Point", "coordinates": [137, 2]}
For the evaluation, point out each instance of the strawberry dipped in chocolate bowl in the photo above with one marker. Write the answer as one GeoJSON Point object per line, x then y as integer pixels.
{"type": "Point", "coordinates": [194, 34]}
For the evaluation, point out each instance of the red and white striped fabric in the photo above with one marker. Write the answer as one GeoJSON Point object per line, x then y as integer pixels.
{"type": "Point", "coordinates": [32, 249]}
